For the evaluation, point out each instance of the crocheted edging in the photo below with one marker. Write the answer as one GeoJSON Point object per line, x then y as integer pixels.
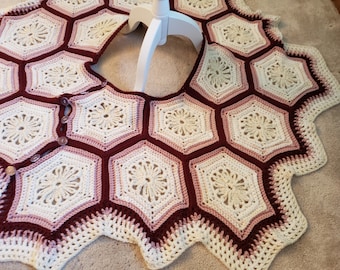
{"type": "Point", "coordinates": [35, 250]}
{"type": "Point", "coordinates": [313, 107]}
{"type": "Point", "coordinates": [244, 8]}
{"type": "Point", "coordinates": [20, 8]}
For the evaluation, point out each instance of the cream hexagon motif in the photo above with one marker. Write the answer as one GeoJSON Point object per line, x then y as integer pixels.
{"type": "Point", "coordinates": [74, 8]}
{"type": "Point", "coordinates": [183, 123]}
{"type": "Point", "coordinates": [220, 76]}
{"type": "Point", "coordinates": [150, 181]}
{"type": "Point", "coordinates": [238, 34]}
{"type": "Point", "coordinates": [62, 73]}
{"type": "Point", "coordinates": [56, 187]}
{"type": "Point", "coordinates": [92, 32]}
{"type": "Point", "coordinates": [31, 34]}
{"type": "Point", "coordinates": [203, 9]}
{"type": "Point", "coordinates": [282, 77]}
{"type": "Point", "coordinates": [105, 117]}
{"type": "Point", "coordinates": [231, 187]}
{"type": "Point", "coordinates": [9, 82]}
{"type": "Point", "coordinates": [25, 127]}
{"type": "Point", "coordinates": [127, 5]}
{"type": "Point", "coordinates": [258, 128]}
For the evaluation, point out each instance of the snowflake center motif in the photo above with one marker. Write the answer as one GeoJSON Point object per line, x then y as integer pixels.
{"type": "Point", "coordinates": [106, 116]}
{"type": "Point", "coordinates": [101, 29]}
{"type": "Point", "coordinates": [20, 129]}
{"type": "Point", "coordinates": [282, 76]}
{"type": "Point", "coordinates": [148, 180]}
{"type": "Point", "coordinates": [58, 185]}
{"type": "Point", "coordinates": [259, 127]}
{"type": "Point", "coordinates": [61, 76]}
{"type": "Point", "coordinates": [182, 122]}
{"type": "Point", "coordinates": [31, 35]}
{"type": "Point", "coordinates": [238, 34]}
{"type": "Point", "coordinates": [218, 72]}
{"type": "Point", "coordinates": [230, 187]}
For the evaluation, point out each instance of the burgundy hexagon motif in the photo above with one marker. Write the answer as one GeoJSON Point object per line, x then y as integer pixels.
{"type": "Point", "coordinates": [25, 127]}
{"type": "Point", "coordinates": [282, 77]}
{"type": "Point", "coordinates": [56, 187]}
{"type": "Point", "coordinates": [32, 34]}
{"type": "Point", "coordinates": [105, 117]}
{"type": "Point", "coordinates": [238, 34]}
{"type": "Point", "coordinates": [258, 128]}
{"type": "Point", "coordinates": [59, 74]}
{"type": "Point", "coordinates": [231, 187]}
{"type": "Point", "coordinates": [220, 76]}
{"type": "Point", "coordinates": [92, 32]}
{"type": "Point", "coordinates": [150, 181]}
{"type": "Point", "coordinates": [183, 122]}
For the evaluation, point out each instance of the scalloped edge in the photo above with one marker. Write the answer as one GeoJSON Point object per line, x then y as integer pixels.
{"type": "Point", "coordinates": [22, 7]}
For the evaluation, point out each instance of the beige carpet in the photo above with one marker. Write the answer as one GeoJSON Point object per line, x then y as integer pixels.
{"type": "Point", "coordinates": [315, 23]}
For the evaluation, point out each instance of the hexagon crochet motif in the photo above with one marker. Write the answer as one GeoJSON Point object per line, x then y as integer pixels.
{"type": "Point", "coordinates": [212, 163]}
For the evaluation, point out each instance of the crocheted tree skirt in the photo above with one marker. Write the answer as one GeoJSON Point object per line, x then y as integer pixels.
{"type": "Point", "coordinates": [211, 163]}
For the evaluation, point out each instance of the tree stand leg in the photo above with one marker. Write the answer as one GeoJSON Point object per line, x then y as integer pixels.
{"type": "Point", "coordinates": [161, 22]}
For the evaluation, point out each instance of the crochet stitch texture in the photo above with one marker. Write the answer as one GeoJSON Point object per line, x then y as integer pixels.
{"type": "Point", "coordinates": [212, 163]}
